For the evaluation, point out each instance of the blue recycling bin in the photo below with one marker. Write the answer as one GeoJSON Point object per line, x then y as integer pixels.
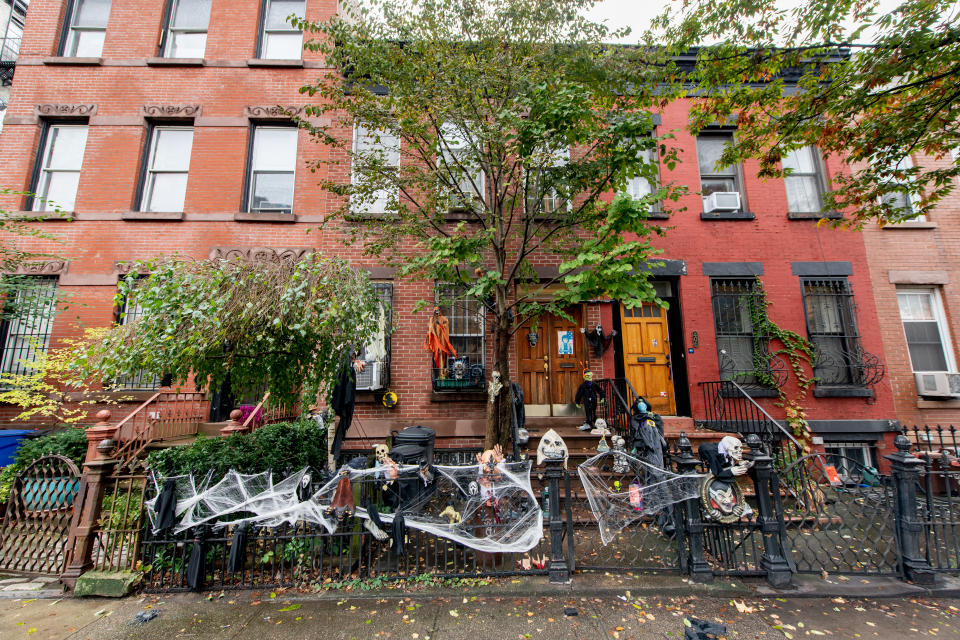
{"type": "Point", "coordinates": [10, 440]}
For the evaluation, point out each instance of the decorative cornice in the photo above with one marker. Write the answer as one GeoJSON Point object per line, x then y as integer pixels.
{"type": "Point", "coordinates": [171, 110]}
{"type": "Point", "coordinates": [272, 111]}
{"type": "Point", "coordinates": [260, 254]}
{"type": "Point", "coordinates": [42, 268]}
{"type": "Point", "coordinates": [124, 267]}
{"type": "Point", "coordinates": [65, 110]}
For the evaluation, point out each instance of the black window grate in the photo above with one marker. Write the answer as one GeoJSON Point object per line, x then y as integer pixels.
{"type": "Point", "coordinates": [140, 380]}
{"type": "Point", "coordinates": [467, 316]}
{"type": "Point", "coordinates": [743, 352]}
{"type": "Point", "coordinates": [27, 321]}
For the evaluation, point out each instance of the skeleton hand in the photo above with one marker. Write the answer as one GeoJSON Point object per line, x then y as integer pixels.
{"type": "Point", "coordinates": [740, 469]}
{"type": "Point", "coordinates": [497, 453]}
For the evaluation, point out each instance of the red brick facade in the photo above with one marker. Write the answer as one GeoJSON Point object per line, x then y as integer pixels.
{"type": "Point", "coordinates": [228, 84]}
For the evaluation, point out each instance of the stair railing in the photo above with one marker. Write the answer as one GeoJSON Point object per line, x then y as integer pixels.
{"type": "Point", "coordinates": [166, 415]}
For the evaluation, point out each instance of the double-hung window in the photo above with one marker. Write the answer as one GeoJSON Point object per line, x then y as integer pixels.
{"type": "Point", "coordinates": [804, 183]}
{"type": "Point", "coordinates": [87, 28]}
{"type": "Point", "coordinates": [715, 179]}
{"type": "Point", "coordinates": [376, 354]}
{"type": "Point", "coordinates": [280, 39]}
{"type": "Point", "coordinates": [832, 328]}
{"type": "Point", "coordinates": [467, 336]}
{"type": "Point", "coordinates": [925, 327]}
{"type": "Point", "coordinates": [273, 163]}
{"type": "Point", "coordinates": [640, 186]}
{"type": "Point", "coordinates": [187, 22]}
{"type": "Point", "coordinates": [462, 175]}
{"type": "Point", "coordinates": [27, 319]}
{"type": "Point", "coordinates": [543, 196]}
{"type": "Point", "coordinates": [375, 164]}
{"type": "Point", "coordinates": [167, 165]}
{"type": "Point", "coordinates": [900, 200]}
{"type": "Point", "coordinates": [743, 354]}
{"type": "Point", "coordinates": [61, 156]}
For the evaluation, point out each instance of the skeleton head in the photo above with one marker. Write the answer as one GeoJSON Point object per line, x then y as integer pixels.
{"type": "Point", "coordinates": [600, 424]}
{"type": "Point", "coordinates": [552, 447]}
{"type": "Point", "coordinates": [619, 444]}
{"type": "Point", "coordinates": [732, 449]}
{"type": "Point", "coordinates": [380, 451]}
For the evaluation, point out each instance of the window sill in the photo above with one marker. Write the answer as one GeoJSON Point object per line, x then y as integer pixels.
{"type": "Point", "coordinates": [814, 215]}
{"type": "Point", "coordinates": [175, 62]}
{"type": "Point", "coordinates": [904, 226]}
{"type": "Point", "coordinates": [43, 216]}
{"type": "Point", "coordinates": [262, 62]}
{"type": "Point", "coordinates": [658, 215]}
{"type": "Point", "coordinates": [72, 61]}
{"type": "Point", "coordinates": [842, 392]}
{"type": "Point", "coordinates": [370, 397]}
{"type": "Point", "coordinates": [250, 216]}
{"type": "Point", "coordinates": [458, 396]}
{"type": "Point", "coordinates": [924, 403]}
{"type": "Point", "coordinates": [175, 216]}
{"type": "Point", "coordinates": [727, 215]}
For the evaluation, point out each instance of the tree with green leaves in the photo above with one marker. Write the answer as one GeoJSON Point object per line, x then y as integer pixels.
{"type": "Point", "coordinates": [872, 86]}
{"type": "Point", "coordinates": [289, 324]}
{"type": "Point", "coordinates": [487, 137]}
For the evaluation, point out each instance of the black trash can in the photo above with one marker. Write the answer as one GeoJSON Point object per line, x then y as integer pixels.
{"type": "Point", "coordinates": [418, 435]}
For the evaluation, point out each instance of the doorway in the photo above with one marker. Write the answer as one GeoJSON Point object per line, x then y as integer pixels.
{"type": "Point", "coordinates": [646, 355]}
{"type": "Point", "coordinates": [550, 364]}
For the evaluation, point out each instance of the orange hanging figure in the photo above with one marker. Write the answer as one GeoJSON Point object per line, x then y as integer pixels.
{"type": "Point", "coordinates": [438, 339]}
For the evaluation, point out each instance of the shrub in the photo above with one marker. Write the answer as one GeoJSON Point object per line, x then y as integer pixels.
{"type": "Point", "coordinates": [70, 442]}
{"type": "Point", "coordinates": [283, 448]}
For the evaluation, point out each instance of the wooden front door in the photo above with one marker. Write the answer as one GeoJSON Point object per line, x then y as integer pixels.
{"type": "Point", "coordinates": [646, 355]}
{"type": "Point", "coordinates": [551, 369]}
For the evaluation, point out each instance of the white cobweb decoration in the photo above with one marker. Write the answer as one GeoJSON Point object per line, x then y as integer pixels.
{"type": "Point", "coordinates": [622, 489]}
{"type": "Point", "coordinates": [485, 508]}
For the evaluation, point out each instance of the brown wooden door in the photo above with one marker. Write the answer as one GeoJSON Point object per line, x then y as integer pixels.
{"type": "Point", "coordinates": [533, 366]}
{"type": "Point", "coordinates": [646, 356]}
{"type": "Point", "coordinates": [551, 370]}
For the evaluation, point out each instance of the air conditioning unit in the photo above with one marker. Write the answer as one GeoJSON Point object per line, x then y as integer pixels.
{"type": "Point", "coordinates": [937, 384]}
{"type": "Point", "coordinates": [371, 378]}
{"type": "Point", "coordinates": [722, 201]}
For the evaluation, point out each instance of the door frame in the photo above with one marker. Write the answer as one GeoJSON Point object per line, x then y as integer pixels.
{"type": "Point", "coordinates": [554, 409]}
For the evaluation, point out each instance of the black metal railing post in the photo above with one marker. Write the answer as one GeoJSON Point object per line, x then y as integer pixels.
{"type": "Point", "coordinates": [765, 481]}
{"type": "Point", "coordinates": [905, 470]}
{"type": "Point", "coordinates": [696, 561]}
{"type": "Point", "coordinates": [559, 569]}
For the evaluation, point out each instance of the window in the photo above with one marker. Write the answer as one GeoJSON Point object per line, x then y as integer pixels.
{"type": "Point", "coordinates": [281, 40]}
{"type": "Point", "coordinates": [742, 353]}
{"type": "Point", "coordinates": [542, 196]}
{"type": "Point", "coordinates": [87, 28]}
{"type": "Point", "coordinates": [831, 327]}
{"type": "Point", "coordinates": [187, 32]}
{"type": "Point", "coordinates": [901, 201]}
{"type": "Point", "coordinates": [464, 173]}
{"type": "Point", "coordinates": [854, 461]}
{"type": "Point", "coordinates": [376, 354]}
{"type": "Point", "coordinates": [130, 312]}
{"type": "Point", "coordinates": [10, 40]}
{"type": "Point", "coordinates": [925, 327]}
{"type": "Point", "coordinates": [467, 333]}
{"type": "Point", "coordinates": [804, 184]}
{"type": "Point", "coordinates": [272, 169]}
{"type": "Point", "coordinates": [377, 189]}
{"type": "Point", "coordinates": [639, 186]}
{"type": "Point", "coordinates": [168, 162]}
{"type": "Point", "coordinates": [713, 178]}
{"type": "Point", "coordinates": [61, 157]}
{"type": "Point", "coordinates": [27, 318]}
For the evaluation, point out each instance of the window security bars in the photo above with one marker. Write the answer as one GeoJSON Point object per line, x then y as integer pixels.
{"type": "Point", "coordinates": [850, 458]}
{"type": "Point", "coordinates": [168, 165]}
{"type": "Point", "coordinates": [187, 31]}
{"type": "Point", "coordinates": [804, 184]}
{"type": "Point", "coordinates": [738, 304]}
{"type": "Point", "coordinates": [138, 380]}
{"type": "Point", "coordinates": [27, 321]}
{"type": "Point", "coordinates": [88, 28]}
{"type": "Point", "coordinates": [832, 328]}
{"type": "Point", "coordinates": [467, 335]}
{"type": "Point", "coordinates": [273, 165]}
{"type": "Point", "coordinates": [280, 39]}
{"type": "Point", "coordinates": [61, 159]}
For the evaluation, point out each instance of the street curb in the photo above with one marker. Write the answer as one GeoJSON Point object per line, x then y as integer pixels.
{"type": "Point", "coordinates": [872, 588]}
{"type": "Point", "coordinates": [41, 594]}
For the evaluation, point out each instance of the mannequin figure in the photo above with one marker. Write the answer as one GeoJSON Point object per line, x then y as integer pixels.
{"type": "Point", "coordinates": [587, 395]}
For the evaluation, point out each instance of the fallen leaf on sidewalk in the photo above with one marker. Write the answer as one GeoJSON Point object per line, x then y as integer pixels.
{"type": "Point", "coordinates": [292, 607]}
{"type": "Point", "coordinates": [453, 612]}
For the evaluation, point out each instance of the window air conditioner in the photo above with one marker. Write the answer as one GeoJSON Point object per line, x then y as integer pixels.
{"type": "Point", "coordinates": [722, 201]}
{"type": "Point", "coordinates": [936, 384]}
{"type": "Point", "coordinates": [371, 378]}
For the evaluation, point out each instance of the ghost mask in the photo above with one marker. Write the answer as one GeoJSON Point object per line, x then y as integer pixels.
{"type": "Point", "coordinates": [552, 447]}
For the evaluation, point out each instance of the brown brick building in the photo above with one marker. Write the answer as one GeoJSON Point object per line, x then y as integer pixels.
{"type": "Point", "coordinates": [170, 141]}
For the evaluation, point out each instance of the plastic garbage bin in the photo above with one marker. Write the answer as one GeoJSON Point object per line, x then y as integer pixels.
{"type": "Point", "coordinates": [10, 440]}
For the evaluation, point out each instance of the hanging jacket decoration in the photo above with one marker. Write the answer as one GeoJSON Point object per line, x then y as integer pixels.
{"type": "Point", "coordinates": [197, 569]}
{"type": "Point", "coordinates": [238, 547]}
{"type": "Point", "coordinates": [342, 504]}
{"type": "Point", "coordinates": [167, 506]}
{"type": "Point", "coordinates": [399, 535]}
{"type": "Point", "coordinates": [438, 339]}
{"type": "Point", "coordinates": [342, 402]}
{"type": "Point", "coordinates": [597, 341]}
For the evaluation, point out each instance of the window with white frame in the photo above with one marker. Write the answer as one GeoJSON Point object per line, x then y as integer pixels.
{"type": "Point", "coordinates": [713, 177]}
{"type": "Point", "coordinates": [639, 186]}
{"type": "Point", "coordinates": [187, 29]}
{"type": "Point", "coordinates": [280, 39]}
{"type": "Point", "coordinates": [168, 164]}
{"type": "Point", "coordinates": [854, 461]}
{"type": "Point", "coordinates": [804, 183]}
{"type": "Point", "coordinates": [378, 152]}
{"type": "Point", "coordinates": [543, 198]}
{"type": "Point", "coordinates": [466, 315]}
{"type": "Point", "coordinates": [460, 169]}
{"type": "Point", "coordinates": [900, 199]}
{"type": "Point", "coordinates": [87, 28]}
{"type": "Point", "coordinates": [925, 327]}
{"type": "Point", "coordinates": [61, 158]}
{"type": "Point", "coordinates": [272, 169]}
{"type": "Point", "coordinates": [27, 320]}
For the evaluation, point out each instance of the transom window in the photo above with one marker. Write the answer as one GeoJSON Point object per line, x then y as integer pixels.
{"type": "Point", "coordinates": [27, 320]}
{"type": "Point", "coordinates": [281, 40]}
{"type": "Point", "coordinates": [61, 160]}
{"type": "Point", "coordinates": [272, 169]}
{"type": "Point", "coordinates": [187, 32]}
{"type": "Point", "coordinates": [168, 164]}
{"type": "Point", "coordinates": [88, 28]}
{"type": "Point", "coordinates": [713, 177]}
{"type": "Point", "coordinates": [380, 150]}
{"type": "Point", "coordinates": [804, 184]}
{"type": "Point", "coordinates": [925, 327]}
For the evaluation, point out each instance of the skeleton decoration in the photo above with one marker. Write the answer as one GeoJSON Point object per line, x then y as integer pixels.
{"type": "Point", "coordinates": [451, 514]}
{"type": "Point", "coordinates": [552, 447]}
{"type": "Point", "coordinates": [380, 452]}
{"type": "Point", "coordinates": [459, 369]}
{"type": "Point", "coordinates": [494, 386]}
{"type": "Point", "coordinates": [720, 495]}
{"type": "Point", "coordinates": [620, 464]}
{"type": "Point", "coordinates": [732, 449]}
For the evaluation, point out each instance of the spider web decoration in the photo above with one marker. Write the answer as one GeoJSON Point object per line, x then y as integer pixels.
{"type": "Point", "coordinates": [622, 489]}
{"type": "Point", "coordinates": [483, 507]}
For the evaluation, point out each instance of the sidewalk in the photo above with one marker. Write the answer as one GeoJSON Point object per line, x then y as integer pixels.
{"type": "Point", "coordinates": [628, 612]}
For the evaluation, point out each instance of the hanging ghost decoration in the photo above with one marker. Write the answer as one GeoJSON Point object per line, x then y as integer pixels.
{"type": "Point", "coordinates": [552, 447]}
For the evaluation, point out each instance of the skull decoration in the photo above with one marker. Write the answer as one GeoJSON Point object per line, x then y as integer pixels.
{"type": "Point", "coordinates": [494, 386]}
{"type": "Point", "coordinates": [380, 452]}
{"type": "Point", "coordinates": [731, 448]}
{"type": "Point", "coordinates": [552, 447]}
{"type": "Point", "coordinates": [459, 369]}
{"type": "Point", "coordinates": [620, 464]}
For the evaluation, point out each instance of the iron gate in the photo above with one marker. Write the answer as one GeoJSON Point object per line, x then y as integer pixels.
{"type": "Point", "coordinates": [33, 536]}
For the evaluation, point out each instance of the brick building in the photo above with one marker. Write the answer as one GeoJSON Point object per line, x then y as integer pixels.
{"type": "Point", "coordinates": [170, 141]}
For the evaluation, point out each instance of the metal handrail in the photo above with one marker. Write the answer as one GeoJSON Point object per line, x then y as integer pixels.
{"type": "Point", "coordinates": [135, 436]}
{"type": "Point", "coordinates": [256, 410]}
{"type": "Point", "coordinates": [764, 412]}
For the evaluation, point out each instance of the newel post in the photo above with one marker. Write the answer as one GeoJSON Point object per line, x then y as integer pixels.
{"type": "Point", "coordinates": [905, 469]}
{"type": "Point", "coordinates": [559, 569]}
{"type": "Point", "coordinates": [99, 432]}
{"type": "Point", "coordinates": [765, 482]}
{"type": "Point", "coordinates": [233, 424]}
{"type": "Point", "coordinates": [696, 561]}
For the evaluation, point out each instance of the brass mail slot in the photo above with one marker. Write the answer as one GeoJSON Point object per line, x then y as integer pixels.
{"type": "Point", "coordinates": [646, 358]}
{"type": "Point", "coordinates": [567, 365]}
